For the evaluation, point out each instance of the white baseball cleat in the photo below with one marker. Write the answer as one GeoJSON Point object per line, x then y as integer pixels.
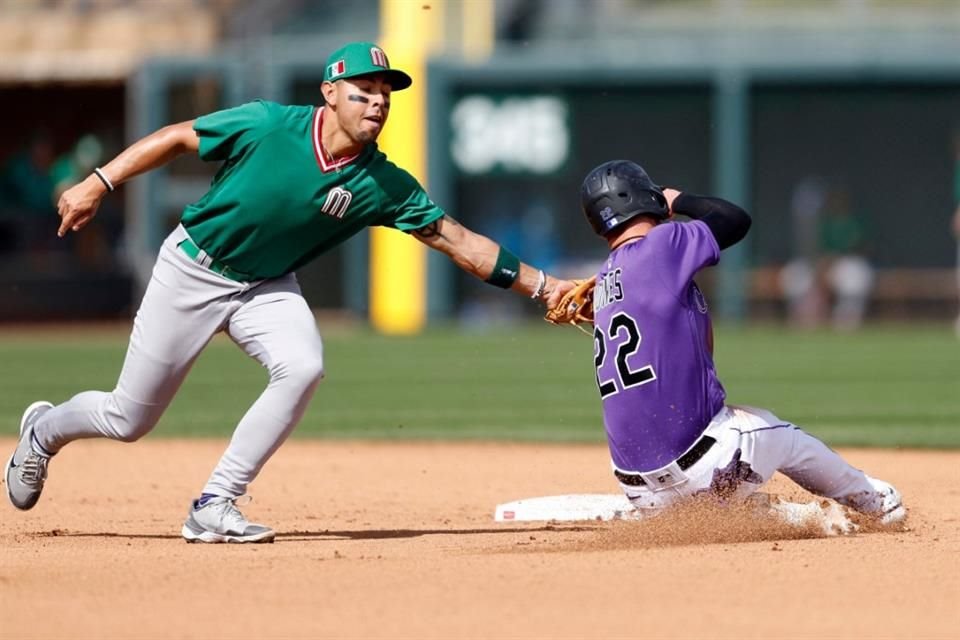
{"type": "Point", "coordinates": [892, 512]}
{"type": "Point", "coordinates": [883, 507]}
{"type": "Point", "coordinates": [27, 470]}
{"type": "Point", "coordinates": [219, 520]}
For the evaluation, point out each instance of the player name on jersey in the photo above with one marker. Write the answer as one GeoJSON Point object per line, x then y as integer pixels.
{"type": "Point", "coordinates": [608, 290]}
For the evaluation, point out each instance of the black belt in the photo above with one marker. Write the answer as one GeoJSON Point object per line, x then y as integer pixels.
{"type": "Point", "coordinates": [685, 461]}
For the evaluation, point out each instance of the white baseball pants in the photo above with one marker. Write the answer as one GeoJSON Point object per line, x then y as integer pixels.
{"type": "Point", "coordinates": [752, 444]}
{"type": "Point", "coordinates": [184, 306]}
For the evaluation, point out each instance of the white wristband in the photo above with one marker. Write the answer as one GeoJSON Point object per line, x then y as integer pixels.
{"type": "Point", "coordinates": [104, 179]}
{"type": "Point", "coordinates": [541, 285]}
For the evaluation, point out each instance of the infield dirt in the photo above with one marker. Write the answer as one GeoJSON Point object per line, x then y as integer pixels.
{"type": "Point", "coordinates": [397, 540]}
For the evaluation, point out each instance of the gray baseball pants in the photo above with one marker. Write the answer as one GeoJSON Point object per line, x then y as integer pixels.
{"type": "Point", "coordinates": [184, 306]}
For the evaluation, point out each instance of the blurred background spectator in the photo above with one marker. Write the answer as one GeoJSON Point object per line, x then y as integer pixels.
{"type": "Point", "coordinates": [831, 275]}
{"type": "Point", "coordinates": [95, 247]}
{"type": "Point", "coordinates": [26, 189]}
{"type": "Point", "coordinates": [844, 260]}
{"type": "Point", "coordinates": [76, 164]}
{"type": "Point", "coordinates": [798, 279]}
{"type": "Point", "coordinates": [956, 214]}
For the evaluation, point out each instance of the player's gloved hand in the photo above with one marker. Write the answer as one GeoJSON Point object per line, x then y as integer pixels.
{"type": "Point", "coordinates": [576, 305]}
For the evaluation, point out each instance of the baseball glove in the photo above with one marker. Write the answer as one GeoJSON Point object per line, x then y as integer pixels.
{"type": "Point", "coordinates": [576, 306]}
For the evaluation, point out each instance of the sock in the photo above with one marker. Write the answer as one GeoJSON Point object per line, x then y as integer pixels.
{"type": "Point", "coordinates": [204, 499]}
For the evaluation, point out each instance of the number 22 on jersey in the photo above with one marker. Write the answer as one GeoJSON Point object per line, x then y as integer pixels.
{"type": "Point", "coordinates": [624, 335]}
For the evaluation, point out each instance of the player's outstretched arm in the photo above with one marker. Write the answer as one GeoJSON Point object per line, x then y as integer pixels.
{"type": "Point", "coordinates": [487, 260]}
{"type": "Point", "coordinates": [78, 205]}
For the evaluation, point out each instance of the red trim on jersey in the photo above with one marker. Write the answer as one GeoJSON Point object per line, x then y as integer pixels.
{"type": "Point", "coordinates": [318, 151]}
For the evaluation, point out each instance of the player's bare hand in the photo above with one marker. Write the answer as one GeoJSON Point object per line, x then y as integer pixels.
{"type": "Point", "coordinates": [670, 195]}
{"type": "Point", "coordinates": [78, 205]}
{"type": "Point", "coordinates": [554, 290]}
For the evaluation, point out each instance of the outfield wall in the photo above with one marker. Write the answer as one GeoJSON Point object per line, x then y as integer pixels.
{"type": "Point", "coordinates": [759, 116]}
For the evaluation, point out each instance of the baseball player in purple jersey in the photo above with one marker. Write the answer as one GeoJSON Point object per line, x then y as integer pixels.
{"type": "Point", "coordinates": [671, 433]}
{"type": "Point", "coordinates": [295, 182]}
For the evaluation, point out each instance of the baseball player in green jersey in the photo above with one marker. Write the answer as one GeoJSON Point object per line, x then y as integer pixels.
{"type": "Point", "coordinates": [295, 181]}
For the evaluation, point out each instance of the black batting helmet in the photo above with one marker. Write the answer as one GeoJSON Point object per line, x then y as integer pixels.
{"type": "Point", "coordinates": [619, 190]}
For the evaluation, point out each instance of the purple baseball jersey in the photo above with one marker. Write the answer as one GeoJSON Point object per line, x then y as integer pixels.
{"type": "Point", "coordinates": [653, 346]}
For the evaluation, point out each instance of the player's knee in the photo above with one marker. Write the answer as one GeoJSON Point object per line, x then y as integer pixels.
{"type": "Point", "coordinates": [129, 421]}
{"type": "Point", "coordinates": [310, 371]}
{"type": "Point", "coordinates": [304, 371]}
{"type": "Point", "coordinates": [130, 436]}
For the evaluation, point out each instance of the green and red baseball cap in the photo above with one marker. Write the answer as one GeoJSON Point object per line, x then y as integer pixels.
{"type": "Point", "coordinates": [360, 59]}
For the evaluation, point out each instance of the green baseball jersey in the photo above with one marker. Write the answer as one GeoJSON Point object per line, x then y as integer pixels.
{"type": "Point", "coordinates": [278, 202]}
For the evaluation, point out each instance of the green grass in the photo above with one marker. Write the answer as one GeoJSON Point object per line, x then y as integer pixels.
{"type": "Point", "coordinates": [891, 386]}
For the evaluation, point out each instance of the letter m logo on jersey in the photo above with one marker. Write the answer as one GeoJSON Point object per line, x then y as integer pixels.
{"type": "Point", "coordinates": [338, 199]}
{"type": "Point", "coordinates": [379, 58]}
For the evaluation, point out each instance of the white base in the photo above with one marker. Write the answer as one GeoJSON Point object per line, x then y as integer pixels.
{"type": "Point", "coordinates": [830, 519]}
{"type": "Point", "coordinates": [571, 507]}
